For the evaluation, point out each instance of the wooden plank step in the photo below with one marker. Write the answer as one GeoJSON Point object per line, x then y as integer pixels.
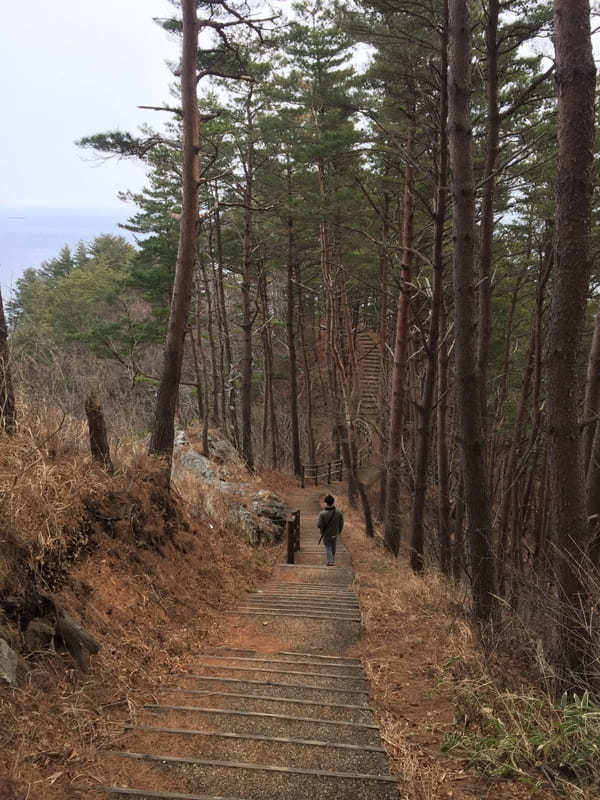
{"type": "Point", "coordinates": [235, 713]}
{"type": "Point", "coordinates": [251, 682]}
{"type": "Point", "coordinates": [285, 661]}
{"type": "Point", "coordinates": [269, 699]}
{"type": "Point", "coordinates": [344, 602]}
{"type": "Point", "coordinates": [299, 611]}
{"type": "Point", "coordinates": [303, 606]}
{"type": "Point", "coordinates": [311, 566]}
{"type": "Point", "coordinates": [321, 773]}
{"type": "Point", "coordinates": [308, 583]}
{"type": "Point", "coordinates": [318, 655]}
{"type": "Point", "coordinates": [254, 737]}
{"type": "Point", "coordinates": [126, 790]}
{"type": "Point", "coordinates": [305, 592]}
{"type": "Point", "coordinates": [325, 617]}
{"type": "Point", "coordinates": [284, 672]}
{"type": "Point", "coordinates": [291, 596]}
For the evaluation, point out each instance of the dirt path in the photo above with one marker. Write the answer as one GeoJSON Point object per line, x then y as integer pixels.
{"type": "Point", "coordinates": [277, 708]}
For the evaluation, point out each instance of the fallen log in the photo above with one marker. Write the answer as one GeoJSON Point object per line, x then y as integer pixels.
{"type": "Point", "coordinates": [76, 639]}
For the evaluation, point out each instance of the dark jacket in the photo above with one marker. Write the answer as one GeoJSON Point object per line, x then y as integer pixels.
{"type": "Point", "coordinates": [331, 522]}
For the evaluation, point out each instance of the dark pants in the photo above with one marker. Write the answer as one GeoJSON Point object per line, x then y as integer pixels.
{"type": "Point", "coordinates": [330, 543]}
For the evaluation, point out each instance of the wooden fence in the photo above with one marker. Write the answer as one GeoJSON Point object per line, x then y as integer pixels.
{"type": "Point", "coordinates": [332, 470]}
{"type": "Point", "coordinates": [293, 536]}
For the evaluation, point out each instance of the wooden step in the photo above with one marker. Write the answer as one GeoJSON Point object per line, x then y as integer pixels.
{"type": "Point", "coordinates": [253, 781]}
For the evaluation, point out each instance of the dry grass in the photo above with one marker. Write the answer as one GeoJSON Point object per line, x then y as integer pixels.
{"type": "Point", "coordinates": [418, 649]}
{"type": "Point", "coordinates": [142, 570]}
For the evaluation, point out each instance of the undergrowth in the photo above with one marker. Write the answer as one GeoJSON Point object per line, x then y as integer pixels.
{"type": "Point", "coordinates": [505, 735]}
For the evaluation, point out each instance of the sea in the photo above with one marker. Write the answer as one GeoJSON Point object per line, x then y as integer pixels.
{"type": "Point", "coordinates": [29, 236]}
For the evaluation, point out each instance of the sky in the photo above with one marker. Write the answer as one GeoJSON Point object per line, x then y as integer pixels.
{"type": "Point", "coordinates": [72, 68]}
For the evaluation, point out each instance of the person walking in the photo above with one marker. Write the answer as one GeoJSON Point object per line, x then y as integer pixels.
{"type": "Point", "coordinates": [330, 523]}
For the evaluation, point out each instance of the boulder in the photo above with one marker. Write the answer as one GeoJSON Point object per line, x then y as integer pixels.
{"type": "Point", "coordinates": [267, 505]}
{"type": "Point", "coordinates": [257, 529]}
{"type": "Point", "coordinates": [197, 464]}
{"type": "Point", "coordinates": [222, 451]}
{"type": "Point", "coordinates": [39, 635]}
{"type": "Point", "coordinates": [180, 437]}
{"type": "Point", "coordinates": [9, 661]}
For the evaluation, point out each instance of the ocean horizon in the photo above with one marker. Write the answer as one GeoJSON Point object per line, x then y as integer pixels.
{"type": "Point", "coordinates": [31, 235]}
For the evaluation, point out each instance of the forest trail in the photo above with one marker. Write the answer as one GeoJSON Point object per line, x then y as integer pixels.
{"type": "Point", "coordinates": [278, 708]}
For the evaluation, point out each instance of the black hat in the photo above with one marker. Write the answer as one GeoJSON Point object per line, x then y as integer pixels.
{"type": "Point", "coordinates": [329, 500]}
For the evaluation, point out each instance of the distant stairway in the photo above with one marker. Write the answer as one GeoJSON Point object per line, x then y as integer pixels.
{"type": "Point", "coordinates": [369, 363]}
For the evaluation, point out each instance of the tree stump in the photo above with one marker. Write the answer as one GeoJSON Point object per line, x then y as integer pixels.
{"type": "Point", "coordinates": [97, 429]}
{"type": "Point", "coordinates": [76, 639]}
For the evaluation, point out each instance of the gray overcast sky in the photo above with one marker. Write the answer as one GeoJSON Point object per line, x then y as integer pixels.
{"type": "Point", "coordinates": [71, 68]}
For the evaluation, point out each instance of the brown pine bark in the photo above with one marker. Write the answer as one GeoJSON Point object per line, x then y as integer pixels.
{"type": "Point", "coordinates": [229, 394]}
{"type": "Point", "coordinates": [591, 405]}
{"type": "Point", "coordinates": [163, 429]}
{"type": "Point", "coordinates": [248, 316]}
{"type": "Point", "coordinates": [592, 491]}
{"type": "Point", "coordinates": [291, 335]}
{"type": "Point", "coordinates": [443, 470]}
{"type": "Point", "coordinates": [211, 338]}
{"type": "Point", "coordinates": [487, 204]}
{"type": "Point", "coordinates": [384, 264]}
{"type": "Point", "coordinates": [392, 523]}
{"type": "Point", "coordinates": [308, 384]}
{"type": "Point", "coordinates": [426, 408]}
{"type": "Point", "coordinates": [468, 389]}
{"type": "Point", "coordinates": [511, 476]}
{"type": "Point", "coordinates": [576, 80]}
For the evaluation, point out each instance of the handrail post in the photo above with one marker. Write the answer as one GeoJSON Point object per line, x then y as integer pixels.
{"type": "Point", "coordinates": [329, 472]}
{"type": "Point", "coordinates": [317, 475]}
{"type": "Point", "coordinates": [302, 477]}
{"type": "Point", "coordinates": [290, 526]}
{"type": "Point", "coordinates": [297, 527]}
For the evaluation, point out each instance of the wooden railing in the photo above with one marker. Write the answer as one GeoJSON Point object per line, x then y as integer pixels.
{"type": "Point", "coordinates": [293, 536]}
{"type": "Point", "coordinates": [332, 470]}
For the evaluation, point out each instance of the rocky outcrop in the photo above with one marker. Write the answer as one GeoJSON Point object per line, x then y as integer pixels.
{"type": "Point", "coordinates": [9, 661]}
{"type": "Point", "coordinates": [262, 519]}
{"type": "Point", "coordinates": [259, 516]}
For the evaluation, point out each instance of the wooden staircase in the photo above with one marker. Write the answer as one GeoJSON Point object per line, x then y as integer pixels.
{"type": "Point", "coordinates": [369, 363]}
{"type": "Point", "coordinates": [257, 725]}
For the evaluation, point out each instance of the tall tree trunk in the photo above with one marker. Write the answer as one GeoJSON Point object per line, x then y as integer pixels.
{"type": "Point", "coordinates": [8, 416]}
{"type": "Point", "coordinates": [458, 549]}
{"type": "Point", "coordinates": [384, 263]}
{"type": "Point", "coordinates": [291, 334]}
{"type": "Point", "coordinates": [392, 524]}
{"type": "Point", "coordinates": [211, 339]}
{"type": "Point", "coordinates": [442, 449]}
{"type": "Point", "coordinates": [576, 79]}
{"type": "Point", "coordinates": [468, 394]}
{"type": "Point", "coordinates": [591, 405]}
{"type": "Point", "coordinates": [197, 372]}
{"type": "Point", "coordinates": [511, 476]}
{"type": "Point", "coordinates": [310, 432]}
{"type": "Point", "coordinates": [163, 429]}
{"type": "Point", "coordinates": [426, 410]}
{"type": "Point", "coordinates": [487, 204]}
{"type": "Point", "coordinates": [248, 316]}
{"type": "Point", "coordinates": [230, 405]}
